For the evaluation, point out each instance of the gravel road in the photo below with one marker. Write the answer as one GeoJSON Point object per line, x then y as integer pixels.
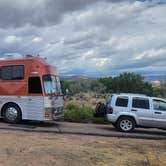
{"type": "Point", "coordinates": [106, 130]}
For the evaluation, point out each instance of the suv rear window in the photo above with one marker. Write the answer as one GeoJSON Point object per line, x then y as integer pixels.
{"type": "Point", "coordinates": [159, 105]}
{"type": "Point", "coordinates": [140, 103]}
{"type": "Point", "coordinates": [122, 101]}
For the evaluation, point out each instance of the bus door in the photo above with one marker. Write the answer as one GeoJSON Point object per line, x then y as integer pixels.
{"type": "Point", "coordinates": [35, 101]}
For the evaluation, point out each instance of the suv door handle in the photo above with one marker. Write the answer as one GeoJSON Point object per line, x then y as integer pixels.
{"type": "Point", "coordinates": [157, 112]}
{"type": "Point", "coordinates": [134, 110]}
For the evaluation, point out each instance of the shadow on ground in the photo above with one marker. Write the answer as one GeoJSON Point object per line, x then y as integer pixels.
{"type": "Point", "coordinates": [31, 124]}
{"type": "Point", "coordinates": [147, 131]}
{"type": "Point", "coordinates": [83, 129]}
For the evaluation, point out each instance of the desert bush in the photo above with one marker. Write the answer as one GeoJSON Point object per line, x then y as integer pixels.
{"type": "Point", "coordinates": [76, 113]}
{"type": "Point", "coordinates": [127, 83]}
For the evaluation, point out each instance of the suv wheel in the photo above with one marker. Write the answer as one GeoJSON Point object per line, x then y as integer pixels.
{"type": "Point", "coordinates": [100, 110]}
{"type": "Point", "coordinates": [125, 124]}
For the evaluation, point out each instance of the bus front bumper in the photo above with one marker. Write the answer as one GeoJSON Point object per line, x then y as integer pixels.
{"type": "Point", "coordinates": [54, 113]}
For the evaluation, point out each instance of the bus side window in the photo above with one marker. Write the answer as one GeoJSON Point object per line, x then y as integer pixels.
{"type": "Point", "coordinates": [12, 72]}
{"type": "Point", "coordinates": [34, 85]}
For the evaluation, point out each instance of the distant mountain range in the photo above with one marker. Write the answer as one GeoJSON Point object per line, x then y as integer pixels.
{"type": "Point", "coordinates": [82, 77]}
{"type": "Point", "coordinates": [76, 77]}
{"type": "Point", "coordinates": [155, 77]}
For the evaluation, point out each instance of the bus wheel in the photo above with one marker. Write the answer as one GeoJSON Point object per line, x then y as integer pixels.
{"type": "Point", "coordinates": [12, 113]}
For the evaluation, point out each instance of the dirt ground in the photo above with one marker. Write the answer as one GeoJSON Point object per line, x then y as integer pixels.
{"type": "Point", "coordinates": [19, 148]}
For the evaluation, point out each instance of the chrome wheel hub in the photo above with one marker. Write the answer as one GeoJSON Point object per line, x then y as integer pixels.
{"type": "Point", "coordinates": [126, 125]}
{"type": "Point", "coordinates": [11, 113]}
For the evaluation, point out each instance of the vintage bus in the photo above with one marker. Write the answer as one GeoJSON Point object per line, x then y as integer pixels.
{"type": "Point", "coordinates": [29, 90]}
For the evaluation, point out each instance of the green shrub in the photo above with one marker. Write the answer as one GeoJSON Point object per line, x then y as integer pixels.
{"type": "Point", "coordinates": [76, 113]}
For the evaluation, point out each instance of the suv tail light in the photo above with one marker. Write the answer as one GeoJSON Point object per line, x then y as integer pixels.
{"type": "Point", "coordinates": [110, 110]}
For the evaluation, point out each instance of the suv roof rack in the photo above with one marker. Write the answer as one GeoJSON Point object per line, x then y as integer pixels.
{"type": "Point", "coordinates": [134, 94]}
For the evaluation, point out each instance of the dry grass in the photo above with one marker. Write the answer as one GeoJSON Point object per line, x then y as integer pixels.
{"type": "Point", "coordinates": [35, 149]}
{"type": "Point", "coordinates": [85, 99]}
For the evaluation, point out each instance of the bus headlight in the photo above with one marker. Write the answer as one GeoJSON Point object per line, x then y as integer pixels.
{"type": "Point", "coordinates": [52, 103]}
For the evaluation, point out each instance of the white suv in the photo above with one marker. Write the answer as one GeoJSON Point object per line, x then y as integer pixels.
{"type": "Point", "coordinates": [127, 111]}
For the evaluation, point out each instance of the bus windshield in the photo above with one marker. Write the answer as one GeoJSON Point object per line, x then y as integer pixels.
{"type": "Point", "coordinates": [51, 84]}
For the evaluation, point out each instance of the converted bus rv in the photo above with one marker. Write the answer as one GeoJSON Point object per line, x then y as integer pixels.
{"type": "Point", "coordinates": [29, 90]}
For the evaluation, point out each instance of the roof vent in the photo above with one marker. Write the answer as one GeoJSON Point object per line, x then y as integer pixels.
{"type": "Point", "coordinates": [28, 56]}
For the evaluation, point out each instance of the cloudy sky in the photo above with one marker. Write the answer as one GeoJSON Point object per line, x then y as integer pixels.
{"type": "Point", "coordinates": [87, 37]}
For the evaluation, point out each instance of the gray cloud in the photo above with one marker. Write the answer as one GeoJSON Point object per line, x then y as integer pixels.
{"type": "Point", "coordinates": [92, 37]}
{"type": "Point", "coordinates": [17, 13]}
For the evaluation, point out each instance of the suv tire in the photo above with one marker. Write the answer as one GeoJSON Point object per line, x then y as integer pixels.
{"type": "Point", "coordinates": [125, 124]}
{"type": "Point", "coordinates": [100, 110]}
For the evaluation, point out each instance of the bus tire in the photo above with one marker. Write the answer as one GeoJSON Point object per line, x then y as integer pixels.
{"type": "Point", "coordinates": [12, 113]}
